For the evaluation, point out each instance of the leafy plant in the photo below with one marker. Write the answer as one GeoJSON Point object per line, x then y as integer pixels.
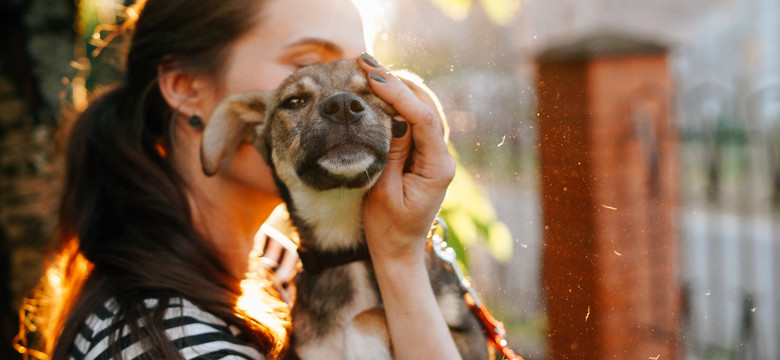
{"type": "Point", "coordinates": [499, 11]}
{"type": "Point", "coordinates": [471, 218]}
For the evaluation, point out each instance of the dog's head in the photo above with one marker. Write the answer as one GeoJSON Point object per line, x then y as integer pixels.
{"type": "Point", "coordinates": [323, 127]}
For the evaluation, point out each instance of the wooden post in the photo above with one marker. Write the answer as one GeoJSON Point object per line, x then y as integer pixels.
{"type": "Point", "coordinates": [609, 182]}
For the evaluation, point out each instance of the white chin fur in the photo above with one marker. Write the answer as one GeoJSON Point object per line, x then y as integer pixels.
{"type": "Point", "coordinates": [347, 166]}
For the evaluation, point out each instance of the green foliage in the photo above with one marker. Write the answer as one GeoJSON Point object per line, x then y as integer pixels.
{"type": "Point", "coordinates": [456, 9]}
{"type": "Point", "coordinates": [471, 218]}
{"type": "Point", "coordinates": [101, 41]}
{"type": "Point", "coordinates": [499, 11]}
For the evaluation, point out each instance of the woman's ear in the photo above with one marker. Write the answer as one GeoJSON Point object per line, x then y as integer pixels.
{"type": "Point", "coordinates": [183, 91]}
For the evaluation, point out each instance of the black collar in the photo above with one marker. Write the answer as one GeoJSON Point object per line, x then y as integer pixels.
{"type": "Point", "coordinates": [316, 261]}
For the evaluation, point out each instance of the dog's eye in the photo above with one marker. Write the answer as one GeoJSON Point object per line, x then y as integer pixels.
{"type": "Point", "coordinates": [293, 102]}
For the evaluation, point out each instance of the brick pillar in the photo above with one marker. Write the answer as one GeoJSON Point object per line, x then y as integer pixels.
{"type": "Point", "coordinates": [609, 183]}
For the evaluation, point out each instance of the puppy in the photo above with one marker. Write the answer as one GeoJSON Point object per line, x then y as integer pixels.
{"type": "Point", "coordinates": [326, 135]}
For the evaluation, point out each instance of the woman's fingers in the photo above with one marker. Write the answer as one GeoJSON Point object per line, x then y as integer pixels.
{"type": "Point", "coordinates": [404, 100]}
{"type": "Point", "coordinates": [431, 158]}
{"type": "Point", "coordinates": [392, 180]}
{"type": "Point", "coordinates": [399, 145]}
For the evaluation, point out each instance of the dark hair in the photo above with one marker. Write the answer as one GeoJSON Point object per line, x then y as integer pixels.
{"type": "Point", "coordinates": [125, 228]}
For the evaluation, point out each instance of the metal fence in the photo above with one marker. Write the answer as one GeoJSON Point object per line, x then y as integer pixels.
{"type": "Point", "coordinates": [730, 222]}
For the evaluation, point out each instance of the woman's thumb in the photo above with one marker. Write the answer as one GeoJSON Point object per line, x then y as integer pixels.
{"type": "Point", "coordinates": [399, 145]}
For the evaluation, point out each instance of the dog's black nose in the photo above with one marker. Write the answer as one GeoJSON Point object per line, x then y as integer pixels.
{"type": "Point", "coordinates": [343, 108]}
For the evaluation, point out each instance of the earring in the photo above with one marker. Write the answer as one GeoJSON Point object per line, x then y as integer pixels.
{"type": "Point", "coordinates": [196, 122]}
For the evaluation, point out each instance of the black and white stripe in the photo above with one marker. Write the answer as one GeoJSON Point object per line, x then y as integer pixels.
{"type": "Point", "coordinates": [279, 254]}
{"type": "Point", "coordinates": [197, 334]}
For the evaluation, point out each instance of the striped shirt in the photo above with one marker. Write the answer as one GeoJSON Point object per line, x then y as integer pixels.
{"type": "Point", "coordinates": [196, 333]}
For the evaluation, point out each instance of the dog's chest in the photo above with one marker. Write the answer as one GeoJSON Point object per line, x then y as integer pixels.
{"type": "Point", "coordinates": [328, 302]}
{"type": "Point", "coordinates": [337, 293]}
{"type": "Point", "coordinates": [366, 293]}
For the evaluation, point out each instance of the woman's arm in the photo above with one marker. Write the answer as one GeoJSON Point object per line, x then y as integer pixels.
{"type": "Point", "coordinates": [398, 213]}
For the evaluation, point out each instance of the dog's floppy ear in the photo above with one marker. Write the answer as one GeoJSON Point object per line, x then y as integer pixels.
{"type": "Point", "coordinates": [233, 121]}
{"type": "Point", "coordinates": [425, 94]}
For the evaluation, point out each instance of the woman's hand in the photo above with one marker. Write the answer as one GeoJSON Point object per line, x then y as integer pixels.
{"type": "Point", "coordinates": [401, 206]}
{"type": "Point", "coordinates": [397, 216]}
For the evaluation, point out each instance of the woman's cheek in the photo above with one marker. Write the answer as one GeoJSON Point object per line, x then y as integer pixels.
{"type": "Point", "coordinates": [249, 168]}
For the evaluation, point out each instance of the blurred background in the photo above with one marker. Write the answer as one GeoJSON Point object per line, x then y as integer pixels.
{"type": "Point", "coordinates": [619, 186]}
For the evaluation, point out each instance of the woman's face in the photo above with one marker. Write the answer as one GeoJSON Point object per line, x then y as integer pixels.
{"type": "Point", "coordinates": [290, 34]}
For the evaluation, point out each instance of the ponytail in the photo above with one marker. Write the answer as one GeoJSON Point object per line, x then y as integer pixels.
{"type": "Point", "coordinates": [118, 183]}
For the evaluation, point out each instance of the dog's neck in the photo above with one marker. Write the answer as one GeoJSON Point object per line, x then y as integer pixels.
{"type": "Point", "coordinates": [330, 226]}
{"type": "Point", "coordinates": [330, 220]}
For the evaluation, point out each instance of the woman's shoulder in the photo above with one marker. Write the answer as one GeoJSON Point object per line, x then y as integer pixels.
{"type": "Point", "coordinates": [196, 334]}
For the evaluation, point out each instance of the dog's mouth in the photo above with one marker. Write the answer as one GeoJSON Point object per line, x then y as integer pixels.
{"type": "Point", "coordinates": [347, 159]}
{"type": "Point", "coordinates": [348, 163]}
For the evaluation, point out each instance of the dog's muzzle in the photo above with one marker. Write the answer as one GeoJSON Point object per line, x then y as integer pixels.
{"type": "Point", "coordinates": [343, 109]}
{"type": "Point", "coordinates": [347, 148]}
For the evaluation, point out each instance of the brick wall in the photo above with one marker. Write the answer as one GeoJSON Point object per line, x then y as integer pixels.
{"type": "Point", "coordinates": [635, 160]}
{"type": "Point", "coordinates": [569, 265]}
{"type": "Point", "coordinates": [609, 182]}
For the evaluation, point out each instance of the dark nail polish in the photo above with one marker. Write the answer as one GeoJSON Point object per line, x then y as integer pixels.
{"type": "Point", "coordinates": [369, 60]}
{"type": "Point", "coordinates": [377, 77]}
{"type": "Point", "coordinates": [399, 128]}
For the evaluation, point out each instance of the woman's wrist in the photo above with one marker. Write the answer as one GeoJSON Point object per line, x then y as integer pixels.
{"type": "Point", "coordinates": [401, 266]}
{"type": "Point", "coordinates": [415, 321]}
{"type": "Point", "coordinates": [398, 252]}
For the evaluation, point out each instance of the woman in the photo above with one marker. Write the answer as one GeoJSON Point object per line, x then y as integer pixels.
{"type": "Point", "coordinates": [152, 252]}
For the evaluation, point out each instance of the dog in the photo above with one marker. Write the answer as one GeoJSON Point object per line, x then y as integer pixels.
{"type": "Point", "coordinates": [326, 136]}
